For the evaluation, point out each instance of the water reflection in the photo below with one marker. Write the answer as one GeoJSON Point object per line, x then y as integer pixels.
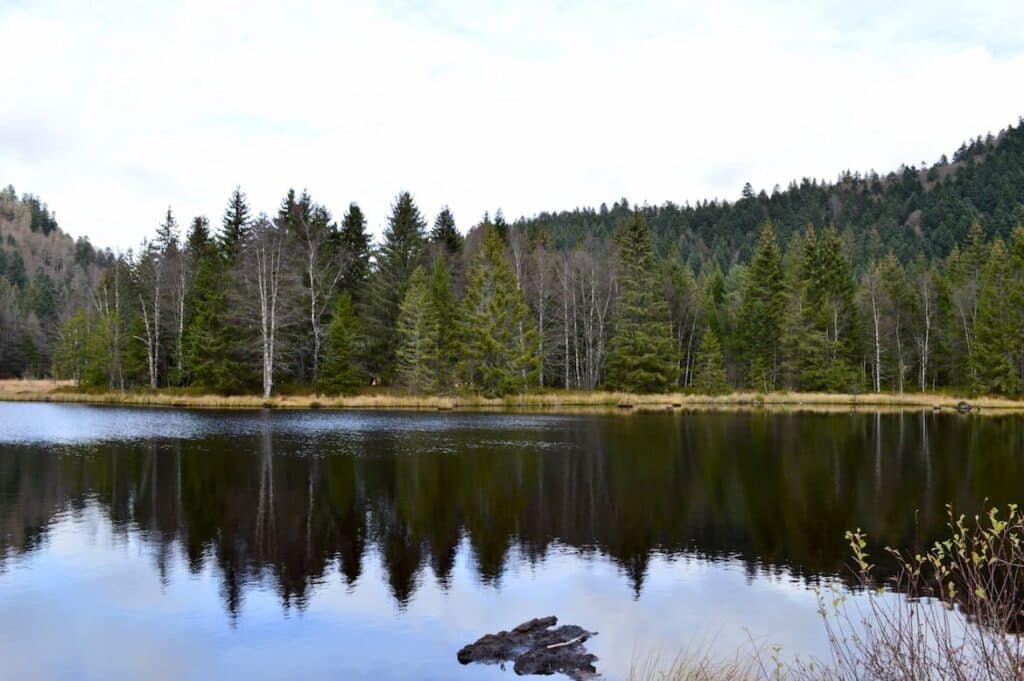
{"type": "Point", "coordinates": [286, 499]}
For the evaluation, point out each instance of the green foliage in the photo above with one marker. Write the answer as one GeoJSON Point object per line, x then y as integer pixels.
{"type": "Point", "coordinates": [709, 370]}
{"type": "Point", "coordinates": [997, 329]}
{"type": "Point", "coordinates": [339, 373]}
{"type": "Point", "coordinates": [214, 350]}
{"type": "Point", "coordinates": [396, 259]}
{"type": "Point", "coordinates": [235, 225]}
{"type": "Point", "coordinates": [83, 351]}
{"type": "Point", "coordinates": [498, 334]}
{"type": "Point", "coordinates": [418, 335]}
{"type": "Point", "coordinates": [641, 353]}
{"type": "Point", "coordinates": [902, 211]}
{"type": "Point", "coordinates": [442, 300]}
{"type": "Point", "coordinates": [829, 331]}
{"type": "Point", "coordinates": [445, 232]}
{"type": "Point", "coordinates": [761, 314]}
{"type": "Point", "coordinates": [354, 241]}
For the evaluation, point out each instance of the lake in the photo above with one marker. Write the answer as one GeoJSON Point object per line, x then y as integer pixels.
{"type": "Point", "coordinates": [149, 543]}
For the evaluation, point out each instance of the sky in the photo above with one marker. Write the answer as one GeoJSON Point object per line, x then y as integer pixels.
{"type": "Point", "coordinates": [113, 111]}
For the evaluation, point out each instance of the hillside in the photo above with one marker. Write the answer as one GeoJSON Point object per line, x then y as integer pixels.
{"type": "Point", "coordinates": [911, 210]}
{"type": "Point", "coordinates": [43, 273]}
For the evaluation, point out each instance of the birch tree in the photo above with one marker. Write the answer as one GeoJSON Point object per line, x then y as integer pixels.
{"type": "Point", "coordinates": [270, 290]}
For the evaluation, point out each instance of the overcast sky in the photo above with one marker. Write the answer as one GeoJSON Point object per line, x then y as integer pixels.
{"type": "Point", "coordinates": [111, 111]}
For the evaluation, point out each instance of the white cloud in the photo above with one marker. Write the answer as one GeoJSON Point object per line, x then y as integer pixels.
{"type": "Point", "coordinates": [111, 114]}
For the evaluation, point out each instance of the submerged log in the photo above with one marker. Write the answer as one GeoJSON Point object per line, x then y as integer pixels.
{"type": "Point", "coordinates": [536, 648]}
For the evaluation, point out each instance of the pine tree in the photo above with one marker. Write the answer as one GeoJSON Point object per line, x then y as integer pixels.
{"type": "Point", "coordinates": [445, 232]}
{"type": "Point", "coordinates": [709, 369]}
{"type": "Point", "coordinates": [443, 301]}
{"type": "Point", "coordinates": [396, 259]}
{"type": "Point", "coordinates": [500, 225]}
{"type": "Point", "coordinates": [793, 317]}
{"type": "Point", "coordinates": [214, 352]}
{"type": "Point", "coordinates": [499, 341]}
{"type": "Point", "coordinates": [995, 330]}
{"type": "Point", "coordinates": [235, 225]}
{"type": "Point", "coordinates": [418, 332]}
{"type": "Point", "coordinates": [761, 313]}
{"type": "Point", "coordinates": [831, 339]}
{"type": "Point", "coordinates": [167, 232]}
{"type": "Point", "coordinates": [355, 243]}
{"type": "Point", "coordinates": [339, 373]}
{"type": "Point", "coordinates": [641, 352]}
{"type": "Point", "coordinates": [198, 240]}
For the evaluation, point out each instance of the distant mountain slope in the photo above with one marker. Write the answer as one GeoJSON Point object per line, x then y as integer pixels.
{"type": "Point", "coordinates": [43, 273]}
{"type": "Point", "coordinates": [910, 210]}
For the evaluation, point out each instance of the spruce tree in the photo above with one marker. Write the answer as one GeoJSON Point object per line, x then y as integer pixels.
{"type": "Point", "coordinates": [500, 225]}
{"type": "Point", "coordinates": [167, 232]}
{"type": "Point", "coordinates": [355, 243]}
{"type": "Point", "coordinates": [761, 313]}
{"type": "Point", "coordinates": [793, 317]}
{"type": "Point", "coordinates": [499, 343]}
{"type": "Point", "coordinates": [995, 330]}
{"type": "Point", "coordinates": [709, 369]}
{"type": "Point", "coordinates": [418, 332]}
{"type": "Point", "coordinates": [831, 341]}
{"type": "Point", "coordinates": [214, 352]}
{"type": "Point", "coordinates": [339, 373]}
{"type": "Point", "coordinates": [198, 240]}
{"type": "Point", "coordinates": [641, 351]}
{"type": "Point", "coordinates": [396, 259]}
{"type": "Point", "coordinates": [445, 232]}
{"type": "Point", "coordinates": [235, 225]}
{"type": "Point", "coordinates": [443, 301]}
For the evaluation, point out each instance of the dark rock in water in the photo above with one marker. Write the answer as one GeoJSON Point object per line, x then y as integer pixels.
{"type": "Point", "coordinates": [963, 407]}
{"type": "Point", "coordinates": [536, 648]}
{"type": "Point", "coordinates": [546, 661]}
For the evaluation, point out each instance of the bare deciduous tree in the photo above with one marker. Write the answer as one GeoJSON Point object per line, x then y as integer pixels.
{"type": "Point", "coordinates": [269, 291]}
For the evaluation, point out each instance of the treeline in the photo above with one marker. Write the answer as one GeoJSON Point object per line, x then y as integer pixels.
{"type": "Point", "coordinates": [916, 210]}
{"type": "Point", "coordinates": [303, 301]}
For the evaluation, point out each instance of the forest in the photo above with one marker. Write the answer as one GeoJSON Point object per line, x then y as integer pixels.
{"type": "Point", "coordinates": [911, 281]}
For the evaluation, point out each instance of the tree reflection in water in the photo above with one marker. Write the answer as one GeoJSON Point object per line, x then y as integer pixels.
{"type": "Point", "coordinates": [285, 506]}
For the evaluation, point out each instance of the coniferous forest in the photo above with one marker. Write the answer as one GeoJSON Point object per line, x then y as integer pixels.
{"type": "Point", "coordinates": [908, 281]}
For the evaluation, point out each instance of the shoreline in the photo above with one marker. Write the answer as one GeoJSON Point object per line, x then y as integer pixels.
{"type": "Point", "coordinates": [548, 401]}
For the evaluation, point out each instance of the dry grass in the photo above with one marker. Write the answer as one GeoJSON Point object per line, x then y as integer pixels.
{"type": "Point", "coordinates": [701, 667]}
{"type": "Point", "coordinates": [31, 388]}
{"type": "Point", "coordinates": [65, 391]}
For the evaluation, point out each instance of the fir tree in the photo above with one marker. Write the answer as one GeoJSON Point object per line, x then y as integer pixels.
{"type": "Point", "coordinates": [709, 369]}
{"type": "Point", "coordinates": [761, 314]}
{"type": "Point", "coordinates": [235, 225]}
{"type": "Point", "coordinates": [355, 243]}
{"type": "Point", "coordinates": [443, 301]}
{"type": "Point", "coordinates": [418, 332]}
{"type": "Point", "coordinates": [831, 342]}
{"type": "Point", "coordinates": [198, 240]}
{"type": "Point", "coordinates": [214, 352]}
{"type": "Point", "coordinates": [396, 259]}
{"type": "Point", "coordinates": [167, 232]}
{"type": "Point", "coordinates": [445, 232]}
{"type": "Point", "coordinates": [995, 330]}
{"type": "Point", "coordinates": [498, 335]}
{"type": "Point", "coordinates": [339, 373]}
{"type": "Point", "coordinates": [640, 354]}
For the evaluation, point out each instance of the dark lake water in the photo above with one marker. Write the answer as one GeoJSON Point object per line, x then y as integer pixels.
{"type": "Point", "coordinates": [139, 543]}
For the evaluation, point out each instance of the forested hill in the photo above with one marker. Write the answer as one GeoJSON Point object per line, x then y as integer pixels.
{"type": "Point", "coordinates": [910, 211]}
{"type": "Point", "coordinates": [43, 272]}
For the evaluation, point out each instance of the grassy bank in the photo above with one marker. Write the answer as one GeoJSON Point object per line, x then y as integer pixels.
{"type": "Point", "coordinates": [65, 391]}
